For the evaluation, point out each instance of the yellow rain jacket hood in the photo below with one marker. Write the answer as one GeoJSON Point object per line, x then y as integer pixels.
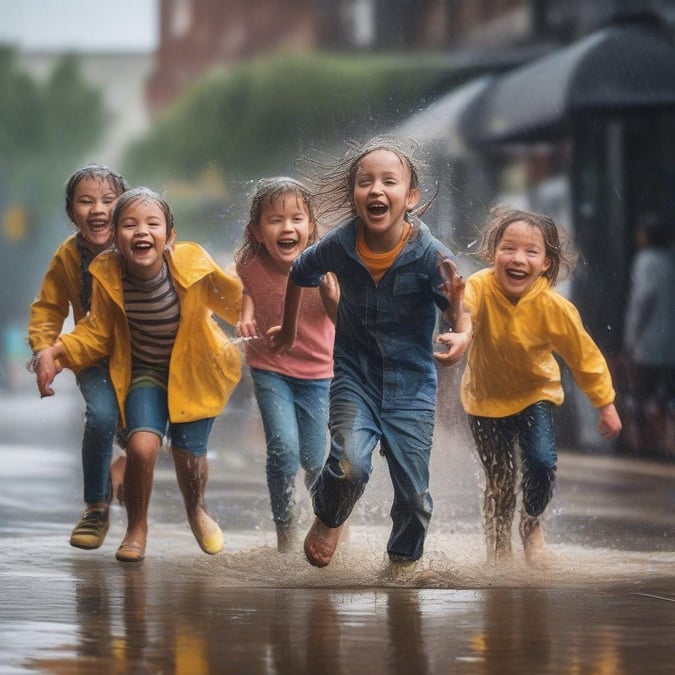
{"type": "Point", "coordinates": [204, 368]}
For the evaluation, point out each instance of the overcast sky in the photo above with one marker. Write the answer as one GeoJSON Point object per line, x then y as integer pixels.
{"type": "Point", "coordinates": [80, 25]}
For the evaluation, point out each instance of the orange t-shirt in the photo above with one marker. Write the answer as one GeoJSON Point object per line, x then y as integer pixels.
{"type": "Point", "coordinates": [378, 263]}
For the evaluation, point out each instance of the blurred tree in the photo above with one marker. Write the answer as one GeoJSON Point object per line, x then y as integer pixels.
{"type": "Point", "coordinates": [75, 116]}
{"type": "Point", "coordinates": [257, 118]}
{"type": "Point", "coordinates": [45, 130]}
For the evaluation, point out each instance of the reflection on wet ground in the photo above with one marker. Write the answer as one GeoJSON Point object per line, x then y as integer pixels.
{"type": "Point", "coordinates": [87, 614]}
{"type": "Point", "coordinates": [606, 605]}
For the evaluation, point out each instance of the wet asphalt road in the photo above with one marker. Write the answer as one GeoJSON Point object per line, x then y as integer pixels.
{"type": "Point", "coordinates": [606, 605]}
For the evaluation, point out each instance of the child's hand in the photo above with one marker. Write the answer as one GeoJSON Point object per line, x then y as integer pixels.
{"type": "Point", "coordinates": [278, 341]}
{"type": "Point", "coordinates": [247, 329]}
{"type": "Point", "coordinates": [46, 369]}
{"type": "Point", "coordinates": [456, 343]}
{"type": "Point", "coordinates": [247, 326]}
{"type": "Point", "coordinates": [453, 284]}
{"type": "Point", "coordinates": [329, 288]}
{"type": "Point", "coordinates": [609, 423]}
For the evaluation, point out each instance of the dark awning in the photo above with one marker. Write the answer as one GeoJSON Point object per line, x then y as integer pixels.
{"type": "Point", "coordinates": [438, 123]}
{"type": "Point", "coordinates": [618, 68]}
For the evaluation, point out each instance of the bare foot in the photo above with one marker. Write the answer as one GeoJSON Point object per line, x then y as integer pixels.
{"type": "Point", "coordinates": [207, 533]}
{"type": "Point", "coordinates": [321, 542]}
{"type": "Point", "coordinates": [534, 545]}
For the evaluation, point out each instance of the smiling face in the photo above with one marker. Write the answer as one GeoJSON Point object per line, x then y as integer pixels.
{"type": "Point", "coordinates": [141, 236]}
{"type": "Point", "coordinates": [284, 229]}
{"type": "Point", "coordinates": [91, 209]}
{"type": "Point", "coordinates": [520, 259]}
{"type": "Point", "coordinates": [382, 195]}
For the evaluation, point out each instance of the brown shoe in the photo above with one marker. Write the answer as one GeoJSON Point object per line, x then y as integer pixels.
{"type": "Point", "coordinates": [130, 551]}
{"type": "Point", "coordinates": [321, 542]}
{"type": "Point", "coordinates": [90, 531]}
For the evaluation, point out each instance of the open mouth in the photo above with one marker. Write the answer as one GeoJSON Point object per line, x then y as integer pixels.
{"type": "Point", "coordinates": [98, 225]}
{"type": "Point", "coordinates": [142, 246]}
{"type": "Point", "coordinates": [517, 275]}
{"type": "Point", "coordinates": [377, 209]}
{"type": "Point", "coordinates": [287, 244]}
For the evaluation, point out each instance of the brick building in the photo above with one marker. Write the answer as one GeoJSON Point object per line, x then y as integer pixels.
{"type": "Point", "coordinates": [198, 34]}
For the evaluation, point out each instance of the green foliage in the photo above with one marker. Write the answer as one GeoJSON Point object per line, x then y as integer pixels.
{"type": "Point", "coordinates": [45, 130]}
{"type": "Point", "coordinates": [19, 111]}
{"type": "Point", "coordinates": [76, 115]}
{"type": "Point", "coordinates": [257, 118]}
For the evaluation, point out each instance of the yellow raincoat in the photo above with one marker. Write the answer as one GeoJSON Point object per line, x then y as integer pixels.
{"type": "Point", "coordinates": [510, 363]}
{"type": "Point", "coordinates": [59, 291]}
{"type": "Point", "coordinates": [204, 368]}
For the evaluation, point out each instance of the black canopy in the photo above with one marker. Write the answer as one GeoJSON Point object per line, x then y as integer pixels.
{"type": "Point", "coordinates": [617, 68]}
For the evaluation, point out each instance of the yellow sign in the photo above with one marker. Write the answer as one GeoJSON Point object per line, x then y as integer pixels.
{"type": "Point", "coordinates": [15, 223]}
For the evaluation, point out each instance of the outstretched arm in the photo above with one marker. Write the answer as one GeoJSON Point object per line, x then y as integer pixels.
{"type": "Point", "coordinates": [457, 316]}
{"type": "Point", "coordinates": [281, 338]}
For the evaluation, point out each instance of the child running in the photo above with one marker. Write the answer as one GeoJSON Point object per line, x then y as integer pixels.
{"type": "Point", "coordinates": [384, 389]}
{"type": "Point", "coordinates": [170, 363]}
{"type": "Point", "coordinates": [512, 380]}
{"type": "Point", "coordinates": [91, 194]}
{"type": "Point", "coordinates": [292, 388]}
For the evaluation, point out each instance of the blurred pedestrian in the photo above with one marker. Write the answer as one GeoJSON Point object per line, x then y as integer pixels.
{"type": "Point", "coordinates": [172, 367]}
{"type": "Point", "coordinates": [91, 194]}
{"type": "Point", "coordinates": [512, 380]}
{"type": "Point", "coordinates": [291, 389]}
{"type": "Point", "coordinates": [649, 336]}
{"type": "Point", "coordinates": [384, 390]}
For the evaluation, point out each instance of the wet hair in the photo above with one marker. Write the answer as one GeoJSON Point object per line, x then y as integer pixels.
{"type": "Point", "coordinates": [333, 186]}
{"type": "Point", "coordinates": [267, 192]}
{"type": "Point", "coordinates": [142, 194]}
{"type": "Point", "coordinates": [98, 171]}
{"type": "Point", "coordinates": [556, 240]}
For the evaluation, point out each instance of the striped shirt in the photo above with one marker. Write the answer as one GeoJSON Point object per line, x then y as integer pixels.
{"type": "Point", "coordinates": [153, 313]}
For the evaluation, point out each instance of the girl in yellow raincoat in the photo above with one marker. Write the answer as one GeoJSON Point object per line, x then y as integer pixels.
{"type": "Point", "coordinates": [91, 194]}
{"type": "Point", "coordinates": [512, 380]}
{"type": "Point", "coordinates": [171, 365]}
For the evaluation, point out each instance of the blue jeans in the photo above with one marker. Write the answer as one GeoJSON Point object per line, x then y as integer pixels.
{"type": "Point", "coordinates": [496, 438]}
{"type": "Point", "coordinates": [100, 424]}
{"type": "Point", "coordinates": [357, 424]}
{"type": "Point", "coordinates": [146, 409]}
{"type": "Point", "coordinates": [295, 419]}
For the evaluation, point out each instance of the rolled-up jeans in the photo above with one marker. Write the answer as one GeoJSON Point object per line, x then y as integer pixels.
{"type": "Point", "coordinates": [357, 424]}
{"type": "Point", "coordinates": [100, 425]}
{"type": "Point", "coordinates": [294, 414]}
